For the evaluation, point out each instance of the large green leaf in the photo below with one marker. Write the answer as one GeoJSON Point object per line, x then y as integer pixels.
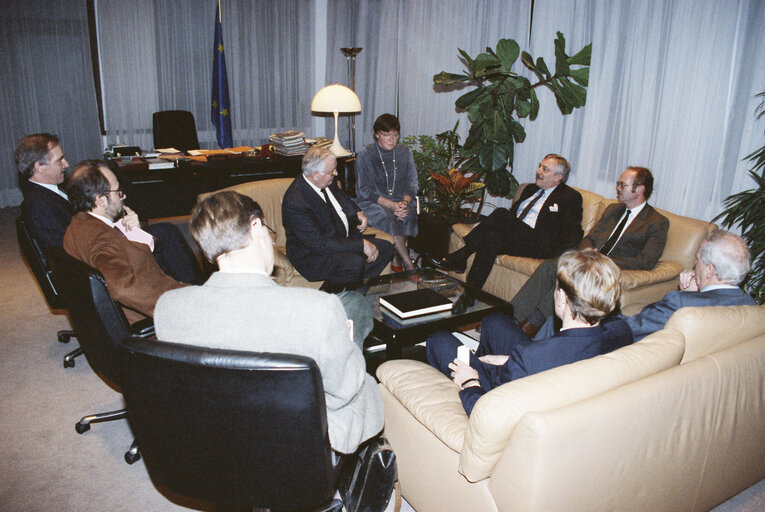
{"type": "Point", "coordinates": [561, 59]}
{"type": "Point", "coordinates": [474, 135]}
{"type": "Point", "coordinates": [445, 78]}
{"type": "Point", "coordinates": [469, 98]}
{"type": "Point", "coordinates": [468, 59]}
{"type": "Point", "coordinates": [493, 156]}
{"type": "Point", "coordinates": [583, 57]}
{"type": "Point", "coordinates": [523, 108]}
{"type": "Point", "coordinates": [534, 105]}
{"type": "Point", "coordinates": [581, 75]}
{"type": "Point", "coordinates": [564, 105]}
{"type": "Point", "coordinates": [484, 63]}
{"type": "Point", "coordinates": [495, 129]}
{"type": "Point", "coordinates": [542, 67]}
{"type": "Point", "coordinates": [519, 134]}
{"type": "Point", "coordinates": [499, 183]}
{"type": "Point", "coordinates": [528, 61]}
{"type": "Point", "coordinates": [507, 51]}
{"type": "Point", "coordinates": [575, 94]}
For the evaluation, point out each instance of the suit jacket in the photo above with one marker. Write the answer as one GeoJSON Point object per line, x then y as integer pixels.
{"type": "Point", "coordinates": [641, 244]}
{"type": "Point", "coordinates": [132, 275]}
{"type": "Point", "coordinates": [530, 357]}
{"type": "Point", "coordinates": [46, 213]}
{"type": "Point", "coordinates": [312, 235]}
{"type": "Point", "coordinates": [654, 316]}
{"type": "Point", "coordinates": [559, 224]}
{"type": "Point", "coordinates": [251, 312]}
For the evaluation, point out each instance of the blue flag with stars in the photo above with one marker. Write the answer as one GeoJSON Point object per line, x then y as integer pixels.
{"type": "Point", "coordinates": [221, 108]}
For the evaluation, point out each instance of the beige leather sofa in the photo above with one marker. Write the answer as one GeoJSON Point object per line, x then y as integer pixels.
{"type": "Point", "coordinates": [673, 422]}
{"type": "Point", "coordinates": [268, 194]}
{"type": "Point", "coordinates": [639, 287]}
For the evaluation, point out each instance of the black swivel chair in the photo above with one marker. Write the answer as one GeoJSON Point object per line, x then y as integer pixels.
{"type": "Point", "coordinates": [230, 427]}
{"type": "Point", "coordinates": [100, 325]}
{"type": "Point", "coordinates": [44, 275]}
{"type": "Point", "coordinates": [175, 129]}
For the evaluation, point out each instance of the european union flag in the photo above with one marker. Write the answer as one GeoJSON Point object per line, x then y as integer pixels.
{"type": "Point", "coordinates": [221, 108]}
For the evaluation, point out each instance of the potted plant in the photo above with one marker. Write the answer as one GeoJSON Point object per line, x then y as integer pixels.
{"type": "Point", "coordinates": [501, 95]}
{"type": "Point", "coordinates": [747, 210]}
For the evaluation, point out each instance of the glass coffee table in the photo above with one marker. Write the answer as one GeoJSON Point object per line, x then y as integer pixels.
{"type": "Point", "coordinates": [471, 306]}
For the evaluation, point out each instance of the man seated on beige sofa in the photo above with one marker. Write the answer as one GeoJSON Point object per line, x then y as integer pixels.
{"type": "Point", "coordinates": [588, 290]}
{"type": "Point", "coordinates": [631, 232]}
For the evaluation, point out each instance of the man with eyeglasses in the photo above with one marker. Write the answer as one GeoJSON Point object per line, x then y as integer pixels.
{"type": "Point", "coordinates": [47, 211]}
{"type": "Point", "coordinates": [324, 228]}
{"type": "Point", "coordinates": [630, 232]}
{"type": "Point", "coordinates": [100, 235]}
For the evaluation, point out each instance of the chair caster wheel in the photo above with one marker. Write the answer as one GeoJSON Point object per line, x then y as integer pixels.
{"type": "Point", "coordinates": [68, 363]}
{"type": "Point", "coordinates": [81, 428]}
{"type": "Point", "coordinates": [64, 337]}
{"type": "Point", "coordinates": [132, 458]}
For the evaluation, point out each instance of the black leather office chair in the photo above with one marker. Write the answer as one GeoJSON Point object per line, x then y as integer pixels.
{"type": "Point", "coordinates": [100, 325]}
{"type": "Point", "coordinates": [230, 427]}
{"type": "Point", "coordinates": [37, 260]}
{"type": "Point", "coordinates": [175, 129]}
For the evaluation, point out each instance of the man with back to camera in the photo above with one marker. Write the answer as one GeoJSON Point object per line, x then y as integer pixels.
{"type": "Point", "coordinates": [545, 221]}
{"type": "Point", "coordinates": [132, 274]}
{"type": "Point", "coordinates": [47, 211]}
{"type": "Point", "coordinates": [241, 308]}
{"type": "Point", "coordinates": [323, 228]}
{"type": "Point", "coordinates": [631, 232]}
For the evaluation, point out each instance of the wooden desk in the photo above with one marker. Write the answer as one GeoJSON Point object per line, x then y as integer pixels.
{"type": "Point", "coordinates": [173, 192]}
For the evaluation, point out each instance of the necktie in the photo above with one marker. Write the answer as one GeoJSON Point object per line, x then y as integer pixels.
{"type": "Point", "coordinates": [333, 213]}
{"type": "Point", "coordinates": [615, 236]}
{"type": "Point", "coordinates": [531, 205]}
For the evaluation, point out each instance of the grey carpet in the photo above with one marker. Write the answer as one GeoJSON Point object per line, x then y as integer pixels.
{"type": "Point", "coordinates": [44, 464]}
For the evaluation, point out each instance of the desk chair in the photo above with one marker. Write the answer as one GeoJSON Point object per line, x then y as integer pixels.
{"type": "Point", "coordinates": [176, 129]}
{"type": "Point", "coordinates": [35, 256]}
{"type": "Point", "coordinates": [230, 427]}
{"type": "Point", "coordinates": [100, 325]}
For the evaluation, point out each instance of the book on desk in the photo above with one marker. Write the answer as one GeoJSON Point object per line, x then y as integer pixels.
{"type": "Point", "coordinates": [413, 303]}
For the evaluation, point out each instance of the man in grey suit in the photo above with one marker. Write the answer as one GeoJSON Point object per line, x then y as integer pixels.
{"type": "Point", "coordinates": [241, 308]}
{"type": "Point", "coordinates": [722, 262]}
{"type": "Point", "coordinates": [630, 232]}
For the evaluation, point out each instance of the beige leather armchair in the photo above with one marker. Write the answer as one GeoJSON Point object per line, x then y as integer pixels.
{"type": "Point", "coordinates": [639, 287]}
{"type": "Point", "coordinates": [269, 194]}
{"type": "Point", "coordinates": [673, 422]}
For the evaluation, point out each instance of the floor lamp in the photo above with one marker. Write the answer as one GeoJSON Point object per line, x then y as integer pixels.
{"type": "Point", "coordinates": [336, 99]}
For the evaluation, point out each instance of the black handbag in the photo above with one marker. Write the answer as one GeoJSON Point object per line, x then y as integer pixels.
{"type": "Point", "coordinates": [367, 484]}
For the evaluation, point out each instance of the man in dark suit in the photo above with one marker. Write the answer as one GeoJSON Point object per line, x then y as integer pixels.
{"type": "Point", "coordinates": [324, 228]}
{"type": "Point", "coordinates": [722, 262]}
{"type": "Point", "coordinates": [129, 267]}
{"type": "Point", "coordinates": [588, 290]}
{"type": "Point", "coordinates": [630, 232]}
{"type": "Point", "coordinates": [47, 211]}
{"type": "Point", "coordinates": [545, 221]}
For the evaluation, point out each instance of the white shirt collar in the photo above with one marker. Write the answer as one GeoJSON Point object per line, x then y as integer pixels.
{"type": "Point", "coordinates": [637, 209]}
{"type": "Point", "coordinates": [102, 219]}
{"type": "Point", "coordinates": [317, 189]}
{"type": "Point", "coordinates": [52, 188]}
{"type": "Point", "coordinates": [718, 287]}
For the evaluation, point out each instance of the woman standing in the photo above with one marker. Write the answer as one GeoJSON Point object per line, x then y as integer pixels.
{"type": "Point", "coordinates": [386, 185]}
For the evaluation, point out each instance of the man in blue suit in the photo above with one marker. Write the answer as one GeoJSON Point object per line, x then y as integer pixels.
{"type": "Point", "coordinates": [588, 289]}
{"type": "Point", "coordinates": [722, 262]}
{"type": "Point", "coordinates": [323, 227]}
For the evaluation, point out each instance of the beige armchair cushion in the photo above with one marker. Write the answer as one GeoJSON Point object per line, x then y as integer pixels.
{"type": "Point", "coordinates": [710, 329]}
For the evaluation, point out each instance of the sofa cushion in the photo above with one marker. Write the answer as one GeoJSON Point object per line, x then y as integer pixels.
{"type": "Point", "coordinates": [709, 329]}
{"type": "Point", "coordinates": [496, 414]}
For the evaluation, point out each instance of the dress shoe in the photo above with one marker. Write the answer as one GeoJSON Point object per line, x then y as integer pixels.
{"type": "Point", "coordinates": [447, 263]}
{"type": "Point", "coordinates": [530, 329]}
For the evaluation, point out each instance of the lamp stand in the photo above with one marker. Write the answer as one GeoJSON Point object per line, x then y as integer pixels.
{"type": "Point", "coordinates": [337, 148]}
{"type": "Point", "coordinates": [350, 56]}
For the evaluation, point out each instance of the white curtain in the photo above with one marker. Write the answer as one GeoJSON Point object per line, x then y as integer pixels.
{"type": "Point", "coordinates": [157, 55]}
{"type": "Point", "coordinates": [47, 86]}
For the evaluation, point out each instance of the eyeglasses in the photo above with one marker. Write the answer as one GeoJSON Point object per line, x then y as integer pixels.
{"type": "Point", "coordinates": [621, 185]}
{"type": "Point", "coordinates": [388, 135]}
{"type": "Point", "coordinates": [267, 227]}
{"type": "Point", "coordinates": [120, 193]}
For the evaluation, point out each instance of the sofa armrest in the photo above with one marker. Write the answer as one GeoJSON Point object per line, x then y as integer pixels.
{"type": "Point", "coordinates": [429, 396]}
{"type": "Point", "coordinates": [662, 272]}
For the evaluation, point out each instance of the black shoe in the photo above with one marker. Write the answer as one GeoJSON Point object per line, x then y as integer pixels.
{"type": "Point", "coordinates": [448, 263]}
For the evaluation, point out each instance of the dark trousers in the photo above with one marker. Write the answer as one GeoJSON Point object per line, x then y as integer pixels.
{"type": "Point", "coordinates": [537, 292]}
{"type": "Point", "coordinates": [500, 233]}
{"type": "Point", "coordinates": [173, 254]}
{"type": "Point", "coordinates": [343, 268]}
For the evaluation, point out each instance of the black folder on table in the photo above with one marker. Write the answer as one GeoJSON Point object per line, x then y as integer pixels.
{"type": "Point", "coordinates": [416, 302]}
